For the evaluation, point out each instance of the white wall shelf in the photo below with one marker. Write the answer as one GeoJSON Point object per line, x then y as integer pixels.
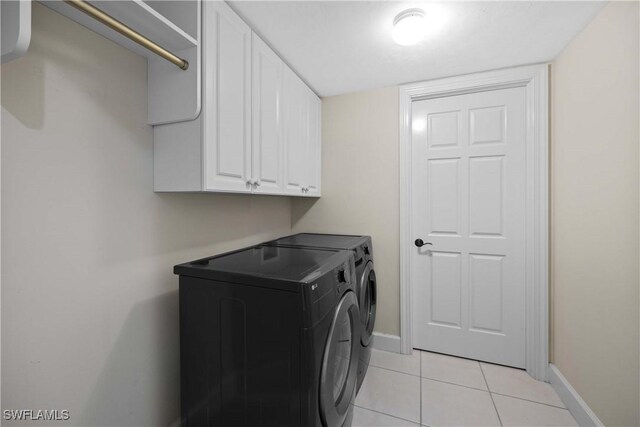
{"type": "Point", "coordinates": [174, 94]}
{"type": "Point", "coordinates": [137, 14]}
{"type": "Point", "coordinates": [16, 28]}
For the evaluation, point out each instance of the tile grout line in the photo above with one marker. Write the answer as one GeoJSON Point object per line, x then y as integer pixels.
{"type": "Point", "coordinates": [455, 384]}
{"type": "Point", "coordinates": [529, 400]}
{"type": "Point", "coordinates": [490, 394]}
{"type": "Point", "coordinates": [434, 379]}
{"type": "Point", "coordinates": [383, 413]}
{"type": "Point", "coordinates": [394, 370]}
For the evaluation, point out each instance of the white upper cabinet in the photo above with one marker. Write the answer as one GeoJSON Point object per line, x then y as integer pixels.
{"type": "Point", "coordinates": [314, 154]}
{"type": "Point", "coordinates": [259, 129]}
{"type": "Point", "coordinates": [301, 115]}
{"type": "Point", "coordinates": [227, 100]}
{"type": "Point", "coordinates": [267, 136]}
{"type": "Point", "coordinates": [295, 109]}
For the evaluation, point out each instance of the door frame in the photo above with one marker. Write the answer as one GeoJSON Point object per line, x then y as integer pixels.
{"type": "Point", "coordinates": [535, 79]}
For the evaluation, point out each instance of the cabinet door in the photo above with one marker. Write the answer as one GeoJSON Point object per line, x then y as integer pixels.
{"type": "Point", "coordinates": [295, 114]}
{"type": "Point", "coordinates": [314, 141]}
{"type": "Point", "coordinates": [227, 100]}
{"type": "Point", "coordinates": [268, 153]}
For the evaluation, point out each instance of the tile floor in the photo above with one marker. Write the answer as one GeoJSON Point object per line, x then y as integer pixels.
{"type": "Point", "coordinates": [429, 389]}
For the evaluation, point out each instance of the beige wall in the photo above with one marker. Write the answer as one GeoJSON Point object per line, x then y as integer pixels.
{"type": "Point", "coordinates": [89, 301]}
{"type": "Point", "coordinates": [360, 186]}
{"type": "Point", "coordinates": [595, 250]}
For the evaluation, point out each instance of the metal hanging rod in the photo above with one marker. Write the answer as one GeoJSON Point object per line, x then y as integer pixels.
{"type": "Point", "coordinates": [128, 32]}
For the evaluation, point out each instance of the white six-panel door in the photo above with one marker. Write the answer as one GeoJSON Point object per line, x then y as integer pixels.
{"type": "Point", "coordinates": [468, 206]}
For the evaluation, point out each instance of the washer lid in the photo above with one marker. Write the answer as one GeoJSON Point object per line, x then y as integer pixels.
{"type": "Point", "coordinates": [339, 241]}
{"type": "Point", "coordinates": [264, 265]}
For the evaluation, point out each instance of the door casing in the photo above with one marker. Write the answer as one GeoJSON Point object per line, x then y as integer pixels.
{"type": "Point", "coordinates": [535, 80]}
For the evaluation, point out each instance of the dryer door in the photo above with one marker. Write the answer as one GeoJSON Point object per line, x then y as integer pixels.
{"type": "Point", "coordinates": [340, 362]}
{"type": "Point", "coordinates": [367, 291]}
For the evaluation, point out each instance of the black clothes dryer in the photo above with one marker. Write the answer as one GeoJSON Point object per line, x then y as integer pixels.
{"type": "Point", "coordinates": [365, 279]}
{"type": "Point", "coordinates": [269, 337]}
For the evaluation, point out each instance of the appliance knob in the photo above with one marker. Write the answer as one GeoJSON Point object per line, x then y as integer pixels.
{"type": "Point", "coordinates": [342, 277]}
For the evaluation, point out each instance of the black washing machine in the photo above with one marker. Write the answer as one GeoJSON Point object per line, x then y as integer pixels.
{"type": "Point", "coordinates": [365, 278]}
{"type": "Point", "coordinates": [269, 336]}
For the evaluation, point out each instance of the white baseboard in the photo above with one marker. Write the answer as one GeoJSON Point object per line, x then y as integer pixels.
{"type": "Point", "coordinates": [386, 342]}
{"type": "Point", "coordinates": [578, 407]}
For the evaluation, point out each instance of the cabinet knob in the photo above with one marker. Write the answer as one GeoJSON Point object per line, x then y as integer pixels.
{"type": "Point", "coordinates": [256, 183]}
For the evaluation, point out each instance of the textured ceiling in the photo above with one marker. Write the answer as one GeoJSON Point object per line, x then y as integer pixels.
{"type": "Point", "coordinates": [346, 46]}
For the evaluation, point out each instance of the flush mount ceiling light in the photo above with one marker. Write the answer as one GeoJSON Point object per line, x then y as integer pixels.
{"type": "Point", "coordinates": [409, 27]}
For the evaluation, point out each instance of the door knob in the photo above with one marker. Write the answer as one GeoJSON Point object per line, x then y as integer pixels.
{"type": "Point", "coordinates": [420, 243]}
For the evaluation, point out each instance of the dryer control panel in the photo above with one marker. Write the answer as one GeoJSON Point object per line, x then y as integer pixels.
{"type": "Point", "coordinates": [325, 292]}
